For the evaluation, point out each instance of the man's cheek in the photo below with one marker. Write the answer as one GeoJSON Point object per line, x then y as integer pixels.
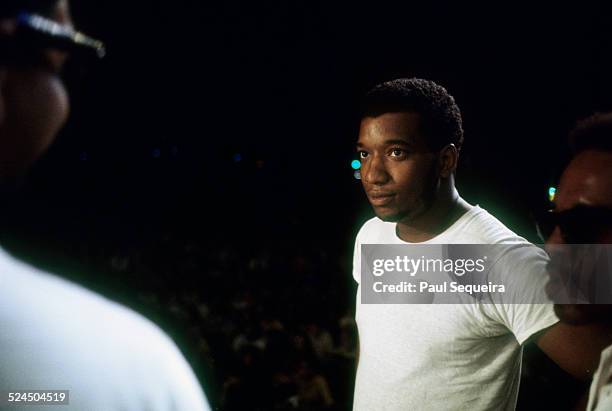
{"type": "Point", "coordinates": [37, 107]}
{"type": "Point", "coordinates": [47, 107]}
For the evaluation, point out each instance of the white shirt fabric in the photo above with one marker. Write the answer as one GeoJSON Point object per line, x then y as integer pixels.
{"type": "Point", "coordinates": [600, 394]}
{"type": "Point", "coordinates": [56, 335]}
{"type": "Point", "coordinates": [448, 356]}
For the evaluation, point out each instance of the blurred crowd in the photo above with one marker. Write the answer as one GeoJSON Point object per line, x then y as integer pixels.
{"type": "Point", "coordinates": [265, 326]}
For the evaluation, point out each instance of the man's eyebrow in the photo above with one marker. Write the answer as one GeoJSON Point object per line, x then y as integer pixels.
{"type": "Point", "coordinates": [394, 141]}
{"type": "Point", "coordinates": [398, 141]}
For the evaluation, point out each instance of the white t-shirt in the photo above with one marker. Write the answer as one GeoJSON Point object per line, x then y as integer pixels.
{"type": "Point", "coordinates": [600, 394]}
{"type": "Point", "coordinates": [56, 335]}
{"type": "Point", "coordinates": [448, 356]}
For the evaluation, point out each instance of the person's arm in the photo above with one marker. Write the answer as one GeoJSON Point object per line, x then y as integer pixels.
{"type": "Point", "coordinates": [575, 348]}
{"type": "Point", "coordinates": [324, 391]}
{"type": "Point", "coordinates": [357, 278]}
{"type": "Point", "coordinates": [357, 353]}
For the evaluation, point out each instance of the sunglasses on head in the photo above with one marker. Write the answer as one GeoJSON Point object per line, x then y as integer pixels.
{"type": "Point", "coordinates": [36, 33]}
{"type": "Point", "coordinates": [579, 225]}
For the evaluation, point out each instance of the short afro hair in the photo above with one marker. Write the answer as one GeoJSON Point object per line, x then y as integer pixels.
{"type": "Point", "coordinates": [10, 8]}
{"type": "Point", "coordinates": [592, 133]}
{"type": "Point", "coordinates": [441, 122]}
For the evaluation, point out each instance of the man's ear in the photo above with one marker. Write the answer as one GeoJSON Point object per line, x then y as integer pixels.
{"type": "Point", "coordinates": [447, 160]}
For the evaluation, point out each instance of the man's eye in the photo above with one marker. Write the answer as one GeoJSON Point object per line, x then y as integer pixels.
{"type": "Point", "coordinates": [362, 154]}
{"type": "Point", "coordinates": [397, 152]}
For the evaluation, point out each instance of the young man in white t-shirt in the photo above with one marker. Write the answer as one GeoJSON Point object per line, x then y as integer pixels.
{"type": "Point", "coordinates": [435, 356]}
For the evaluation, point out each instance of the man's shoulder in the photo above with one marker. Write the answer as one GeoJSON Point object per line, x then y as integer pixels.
{"type": "Point", "coordinates": [101, 347]}
{"type": "Point", "coordinates": [484, 228]}
{"type": "Point", "coordinates": [476, 226]}
{"type": "Point", "coordinates": [373, 230]}
{"type": "Point", "coordinates": [51, 295]}
{"type": "Point", "coordinates": [71, 308]}
{"type": "Point", "coordinates": [481, 227]}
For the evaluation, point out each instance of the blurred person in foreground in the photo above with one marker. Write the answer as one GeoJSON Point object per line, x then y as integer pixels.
{"type": "Point", "coordinates": [582, 220]}
{"type": "Point", "coordinates": [56, 335]}
{"type": "Point", "coordinates": [442, 356]}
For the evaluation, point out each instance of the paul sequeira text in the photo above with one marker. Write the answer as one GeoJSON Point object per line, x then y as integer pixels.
{"type": "Point", "coordinates": [445, 287]}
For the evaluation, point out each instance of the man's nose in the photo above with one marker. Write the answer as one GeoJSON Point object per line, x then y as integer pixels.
{"type": "Point", "coordinates": [554, 244]}
{"type": "Point", "coordinates": [557, 267]}
{"type": "Point", "coordinates": [374, 171]}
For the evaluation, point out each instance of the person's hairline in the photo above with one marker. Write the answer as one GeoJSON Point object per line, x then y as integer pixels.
{"type": "Point", "coordinates": [576, 152]}
{"type": "Point", "coordinates": [419, 118]}
{"type": "Point", "coordinates": [420, 130]}
{"type": "Point", "coordinates": [587, 134]}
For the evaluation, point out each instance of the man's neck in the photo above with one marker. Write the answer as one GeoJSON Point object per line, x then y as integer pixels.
{"type": "Point", "coordinates": [445, 210]}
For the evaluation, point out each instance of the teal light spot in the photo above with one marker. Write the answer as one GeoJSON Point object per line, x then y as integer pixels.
{"type": "Point", "coordinates": [356, 164]}
{"type": "Point", "coordinates": [551, 193]}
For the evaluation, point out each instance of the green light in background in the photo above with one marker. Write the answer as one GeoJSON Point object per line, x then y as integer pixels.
{"type": "Point", "coordinates": [551, 193]}
{"type": "Point", "coordinates": [356, 164]}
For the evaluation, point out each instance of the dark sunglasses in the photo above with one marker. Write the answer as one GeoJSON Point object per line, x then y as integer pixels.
{"type": "Point", "coordinates": [579, 225]}
{"type": "Point", "coordinates": [36, 33]}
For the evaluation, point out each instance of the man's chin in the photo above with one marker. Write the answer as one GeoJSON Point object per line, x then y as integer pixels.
{"type": "Point", "coordinates": [580, 314]}
{"type": "Point", "coordinates": [388, 216]}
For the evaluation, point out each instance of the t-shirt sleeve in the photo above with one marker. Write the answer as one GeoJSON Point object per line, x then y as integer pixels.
{"type": "Point", "coordinates": [524, 308]}
{"type": "Point", "coordinates": [530, 319]}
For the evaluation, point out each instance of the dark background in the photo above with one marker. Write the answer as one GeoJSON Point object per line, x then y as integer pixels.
{"type": "Point", "coordinates": [228, 127]}
{"type": "Point", "coordinates": [188, 85]}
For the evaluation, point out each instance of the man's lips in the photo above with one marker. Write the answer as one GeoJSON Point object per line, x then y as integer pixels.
{"type": "Point", "coordinates": [380, 198]}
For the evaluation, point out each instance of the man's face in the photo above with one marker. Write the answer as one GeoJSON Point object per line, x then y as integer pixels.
{"type": "Point", "coordinates": [585, 183]}
{"type": "Point", "coordinates": [398, 171]}
{"type": "Point", "coordinates": [33, 104]}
